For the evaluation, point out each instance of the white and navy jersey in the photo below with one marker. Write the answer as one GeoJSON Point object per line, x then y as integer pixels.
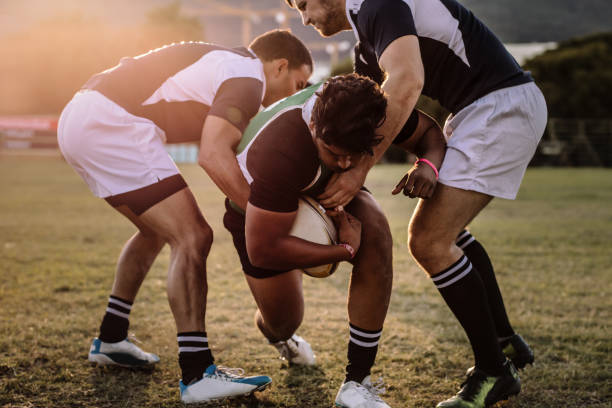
{"type": "Point", "coordinates": [462, 58]}
{"type": "Point", "coordinates": [278, 156]}
{"type": "Point", "coordinates": [178, 85]}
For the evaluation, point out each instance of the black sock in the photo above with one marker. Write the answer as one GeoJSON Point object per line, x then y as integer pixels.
{"type": "Point", "coordinates": [465, 295]}
{"type": "Point", "coordinates": [194, 355]}
{"type": "Point", "coordinates": [480, 260]}
{"type": "Point", "coordinates": [362, 349]}
{"type": "Point", "coordinates": [115, 323]}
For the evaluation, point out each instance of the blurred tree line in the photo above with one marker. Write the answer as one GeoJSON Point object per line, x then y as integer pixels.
{"type": "Point", "coordinates": [576, 77]}
{"type": "Point", "coordinates": [49, 62]}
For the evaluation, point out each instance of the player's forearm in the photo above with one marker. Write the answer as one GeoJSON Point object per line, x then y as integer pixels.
{"type": "Point", "coordinates": [293, 253]}
{"type": "Point", "coordinates": [401, 60]}
{"type": "Point", "coordinates": [402, 95]}
{"type": "Point", "coordinates": [432, 146]}
{"type": "Point", "coordinates": [224, 171]}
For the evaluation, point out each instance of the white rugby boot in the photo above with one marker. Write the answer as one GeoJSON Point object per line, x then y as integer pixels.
{"type": "Point", "coordinates": [361, 395]}
{"type": "Point", "coordinates": [124, 354]}
{"type": "Point", "coordinates": [222, 382]}
{"type": "Point", "coordinates": [295, 350]}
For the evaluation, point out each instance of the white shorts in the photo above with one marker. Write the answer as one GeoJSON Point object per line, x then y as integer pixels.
{"type": "Point", "coordinates": [491, 141]}
{"type": "Point", "coordinates": [111, 149]}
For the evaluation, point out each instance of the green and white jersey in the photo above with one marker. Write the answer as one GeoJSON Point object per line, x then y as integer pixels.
{"type": "Point", "coordinates": [277, 154]}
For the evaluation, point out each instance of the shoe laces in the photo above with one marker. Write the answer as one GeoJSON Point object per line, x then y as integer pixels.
{"type": "Point", "coordinates": [374, 389]}
{"type": "Point", "coordinates": [229, 372]}
{"type": "Point", "coordinates": [133, 339]}
{"type": "Point", "coordinates": [134, 349]}
{"type": "Point", "coordinates": [471, 386]}
{"type": "Point", "coordinates": [377, 388]}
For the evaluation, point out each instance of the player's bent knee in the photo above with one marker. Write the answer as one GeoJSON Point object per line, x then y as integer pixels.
{"type": "Point", "coordinates": [374, 226]}
{"type": "Point", "coordinates": [196, 241]}
{"type": "Point", "coordinates": [203, 240]}
{"type": "Point", "coordinates": [424, 246]}
{"type": "Point", "coordinates": [377, 239]}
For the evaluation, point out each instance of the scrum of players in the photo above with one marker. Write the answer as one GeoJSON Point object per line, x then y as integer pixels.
{"type": "Point", "coordinates": [268, 137]}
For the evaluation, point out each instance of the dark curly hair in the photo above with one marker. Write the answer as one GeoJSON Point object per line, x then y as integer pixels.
{"type": "Point", "coordinates": [348, 111]}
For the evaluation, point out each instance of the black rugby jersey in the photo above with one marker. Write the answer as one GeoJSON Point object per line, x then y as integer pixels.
{"type": "Point", "coordinates": [278, 156]}
{"type": "Point", "coordinates": [462, 58]}
{"type": "Point", "coordinates": [178, 85]}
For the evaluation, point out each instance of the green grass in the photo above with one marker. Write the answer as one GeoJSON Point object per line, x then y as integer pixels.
{"type": "Point", "coordinates": [58, 246]}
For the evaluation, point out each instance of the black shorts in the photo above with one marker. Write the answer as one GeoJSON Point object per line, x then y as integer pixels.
{"type": "Point", "coordinates": [234, 223]}
{"type": "Point", "coordinates": [144, 198]}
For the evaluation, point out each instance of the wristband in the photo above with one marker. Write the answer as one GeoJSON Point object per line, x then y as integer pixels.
{"type": "Point", "coordinates": [430, 165]}
{"type": "Point", "coordinates": [349, 248]}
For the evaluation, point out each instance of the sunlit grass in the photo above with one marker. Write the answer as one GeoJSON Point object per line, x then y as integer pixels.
{"type": "Point", "coordinates": [58, 246]}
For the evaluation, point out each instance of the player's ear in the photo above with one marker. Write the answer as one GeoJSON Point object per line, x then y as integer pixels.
{"type": "Point", "coordinates": [281, 65]}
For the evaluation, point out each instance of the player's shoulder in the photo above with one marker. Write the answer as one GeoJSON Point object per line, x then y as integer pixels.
{"type": "Point", "coordinates": [287, 138]}
{"type": "Point", "coordinates": [368, 14]}
{"type": "Point", "coordinates": [231, 64]}
{"type": "Point", "coordinates": [366, 8]}
{"type": "Point", "coordinates": [288, 128]}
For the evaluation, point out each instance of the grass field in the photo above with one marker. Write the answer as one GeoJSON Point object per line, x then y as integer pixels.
{"type": "Point", "coordinates": [552, 249]}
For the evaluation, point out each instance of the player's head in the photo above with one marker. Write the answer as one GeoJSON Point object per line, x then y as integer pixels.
{"type": "Point", "coordinates": [287, 63]}
{"type": "Point", "coordinates": [345, 118]}
{"type": "Point", "coordinates": [328, 17]}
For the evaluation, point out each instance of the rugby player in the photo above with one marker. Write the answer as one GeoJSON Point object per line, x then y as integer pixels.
{"type": "Point", "coordinates": [440, 49]}
{"type": "Point", "coordinates": [113, 132]}
{"type": "Point", "coordinates": [292, 149]}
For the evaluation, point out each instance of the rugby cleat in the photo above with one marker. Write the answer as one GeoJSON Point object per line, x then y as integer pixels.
{"type": "Point", "coordinates": [481, 390]}
{"type": "Point", "coordinates": [124, 354]}
{"type": "Point", "coordinates": [220, 383]}
{"type": "Point", "coordinates": [361, 395]}
{"type": "Point", "coordinates": [517, 350]}
{"type": "Point", "coordinates": [295, 350]}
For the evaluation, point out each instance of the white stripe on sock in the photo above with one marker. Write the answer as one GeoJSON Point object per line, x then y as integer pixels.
{"type": "Point", "coordinates": [364, 334]}
{"type": "Point", "coordinates": [455, 279]}
{"type": "Point", "coordinates": [363, 343]}
{"type": "Point", "coordinates": [451, 271]}
{"type": "Point", "coordinates": [118, 313]}
{"type": "Point", "coordinates": [193, 338]}
{"type": "Point", "coordinates": [463, 234]}
{"type": "Point", "coordinates": [466, 243]}
{"type": "Point", "coordinates": [191, 349]}
{"type": "Point", "coordinates": [120, 303]}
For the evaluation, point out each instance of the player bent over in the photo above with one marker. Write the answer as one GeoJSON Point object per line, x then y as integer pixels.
{"type": "Point", "coordinates": [292, 149]}
{"type": "Point", "coordinates": [112, 133]}
{"type": "Point", "coordinates": [440, 49]}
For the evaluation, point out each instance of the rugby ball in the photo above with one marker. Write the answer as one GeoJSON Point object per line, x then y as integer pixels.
{"type": "Point", "coordinates": [312, 224]}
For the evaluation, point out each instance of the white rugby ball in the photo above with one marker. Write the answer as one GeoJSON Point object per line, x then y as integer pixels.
{"type": "Point", "coordinates": [312, 224]}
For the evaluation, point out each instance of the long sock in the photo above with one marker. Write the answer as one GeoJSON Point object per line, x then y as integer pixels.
{"type": "Point", "coordinates": [115, 323]}
{"type": "Point", "coordinates": [480, 260]}
{"type": "Point", "coordinates": [465, 295]}
{"type": "Point", "coordinates": [194, 355]}
{"type": "Point", "coordinates": [362, 349]}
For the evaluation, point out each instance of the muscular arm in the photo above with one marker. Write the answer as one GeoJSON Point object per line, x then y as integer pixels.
{"type": "Point", "coordinates": [401, 60]}
{"type": "Point", "coordinates": [269, 244]}
{"type": "Point", "coordinates": [427, 142]}
{"type": "Point", "coordinates": [218, 158]}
